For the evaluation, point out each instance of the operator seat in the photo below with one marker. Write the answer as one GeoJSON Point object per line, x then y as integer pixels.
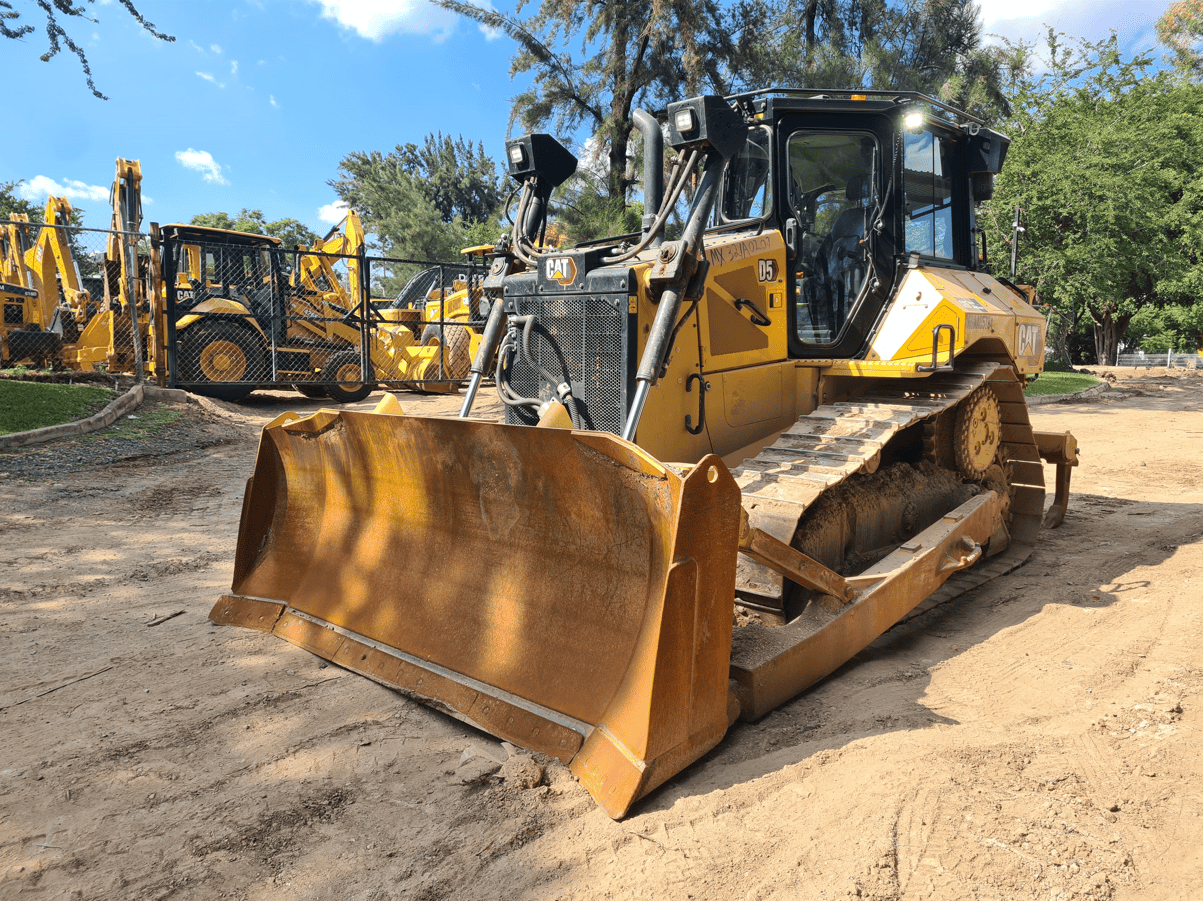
{"type": "Point", "coordinates": [841, 260]}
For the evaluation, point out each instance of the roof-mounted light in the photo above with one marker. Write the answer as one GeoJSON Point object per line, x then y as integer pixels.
{"type": "Point", "coordinates": [914, 120]}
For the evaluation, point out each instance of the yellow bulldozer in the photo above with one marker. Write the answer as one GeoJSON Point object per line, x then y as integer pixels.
{"type": "Point", "coordinates": [732, 458]}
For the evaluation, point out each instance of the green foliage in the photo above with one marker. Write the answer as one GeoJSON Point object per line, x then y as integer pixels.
{"type": "Point", "coordinates": [1176, 327]}
{"type": "Point", "coordinates": [648, 53]}
{"type": "Point", "coordinates": [427, 202]}
{"type": "Point", "coordinates": [10, 203]}
{"type": "Point", "coordinates": [290, 231]}
{"type": "Point", "coordinates": [584, 213]}
{"type": "Point", "coordinates": [1180, 28]}
{"type": "Point", "coordinates": [933, 46]}
{"type": "Point", "coordinates": [633, 53]}
{"type": "Point", "coordinates": [1107, 167]}
{"type": "Point", "coordinates": [33, 405]}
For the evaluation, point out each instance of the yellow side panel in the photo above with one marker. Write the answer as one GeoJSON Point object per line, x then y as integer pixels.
{"type": "Point", "coordinates": [747, 409]}
{"type": "Point", "coordinates": [976, 305]}
{"type": "Point", "coordinates": [744, 268]}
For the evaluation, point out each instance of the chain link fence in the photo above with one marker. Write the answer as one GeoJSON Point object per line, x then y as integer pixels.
{"type": "Point", "coordinates": [1169, 359]}
{"type": "Point", "coordinates": [223, 313]}
{"type": "Point", "coordinates": [243, 312]}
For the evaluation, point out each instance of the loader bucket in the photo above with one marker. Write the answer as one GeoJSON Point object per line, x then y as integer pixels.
{"type": "Point", "coordinates": [562, 590]}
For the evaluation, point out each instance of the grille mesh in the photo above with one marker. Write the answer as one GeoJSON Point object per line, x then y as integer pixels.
{"type": "Point", "coordinates": [582, 335]}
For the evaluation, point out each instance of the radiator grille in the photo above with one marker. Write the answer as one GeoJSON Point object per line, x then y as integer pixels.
{"type": "Point", "coordinates": [584, 336]}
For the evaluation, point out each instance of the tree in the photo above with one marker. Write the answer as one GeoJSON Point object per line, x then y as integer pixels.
{"type": "Point", "coordinates": [634, 53]}
{"type": "Point", "coordinates": [932, 46]}
{"type": "Point", "coordinates": [1180, 28]}
{"type": "Point", "coordinates": [10, 203]}
{"type": "Point", "coordinates": [12, 27]}
{"type": "Point", "coordinates": [291, 232]}
{"type": "Point", "coordinates": [1107, 166]}
{"type": "Point", "coordinates": [424, 203]}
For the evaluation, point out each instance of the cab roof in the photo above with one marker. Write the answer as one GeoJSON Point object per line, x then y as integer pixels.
{"type": "Point", "coordinates": [204, 235]}
{"type": "Point", "coordinates": [781, 99]}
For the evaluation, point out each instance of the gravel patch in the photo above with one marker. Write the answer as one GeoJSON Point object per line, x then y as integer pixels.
{"type": "Point", "coordinates": [153, 430]}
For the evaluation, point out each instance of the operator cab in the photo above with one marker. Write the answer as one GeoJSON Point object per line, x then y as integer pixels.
{"type": "Point", "coordinates": [857, 184]}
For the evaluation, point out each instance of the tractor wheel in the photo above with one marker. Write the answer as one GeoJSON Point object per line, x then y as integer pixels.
{"type": "Point", "coordinates": [345, 367]}
{"type": "Point", "coordinates": [457, 361]}
{"type": "Point", "coordinates": [221, 360]}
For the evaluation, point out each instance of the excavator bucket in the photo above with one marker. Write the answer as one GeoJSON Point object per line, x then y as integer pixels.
{"type": "Point", "coordinates": [562, 590]}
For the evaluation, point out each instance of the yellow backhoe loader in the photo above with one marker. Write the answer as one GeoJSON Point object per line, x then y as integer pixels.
{"type": "Point", "coordinates": [244, 317]}
{"type": "Point", "coordinates": [40, 259]}
{"type": "Point", "coordinates": [63, 323]}
{"type": "Point", "coordinates": [24, 326]}
{"type": "Point", "coordinates": [730, 461]}
{"type": "Point", "coordinates": [323, 293]}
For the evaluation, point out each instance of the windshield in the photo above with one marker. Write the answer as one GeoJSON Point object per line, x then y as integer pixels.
{"type": "Point", "coordinates": [831, 182]}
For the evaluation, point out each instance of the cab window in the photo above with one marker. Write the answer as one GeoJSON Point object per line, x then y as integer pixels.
{"type": "Point", "coordinates": [831, 188]}
{"type": "Point", "coordinates": [927, 183]}
{"type": "Point", "coordinates": [746, 181]}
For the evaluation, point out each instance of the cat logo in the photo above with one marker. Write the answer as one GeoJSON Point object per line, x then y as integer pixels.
{"type": "Point", "coordinates": [562, 270]}
{"type": "Point", "coordinates": [1030, 341]}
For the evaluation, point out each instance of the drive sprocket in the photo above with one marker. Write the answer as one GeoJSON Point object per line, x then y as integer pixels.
{"type": "Point", "coordinates": [977, 433]}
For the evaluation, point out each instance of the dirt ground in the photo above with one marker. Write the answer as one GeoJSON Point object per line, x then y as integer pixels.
{"type": "Point", "coordinates": [1037, 738]}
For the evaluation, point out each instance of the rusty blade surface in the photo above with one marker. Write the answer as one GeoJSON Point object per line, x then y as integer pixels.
{"type": "Point", "coordinates": [560, 589]}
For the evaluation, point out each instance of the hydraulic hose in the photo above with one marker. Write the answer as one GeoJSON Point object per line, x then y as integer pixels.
{"type": "Point", "coordinates": [512, 344]}
{"type": "Point", "coordinates": [494, 327]}
{"type": "Point", "coordinates": [654, 352]}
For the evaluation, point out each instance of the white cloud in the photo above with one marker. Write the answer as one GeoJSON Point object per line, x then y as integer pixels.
{"type": "Point", "coordinates": [234, 67]}
{"type": "Point", "coordinates": [1028, 20]}
{"type": "Point", "coordinates": [272, 99]}
{"type": "Point", "coordinates": [1000, 10]}
{"type": "Point", "coordinates": [201, 161]}
{"type": "Point", "coordinates": [216, 48]}
{"type": "Point", "coordinates": [332, 213]}
{"type": "Point", "coordinates": [40, 187]}
{"type": "Point", "coordinates": [377, 19]}
{"type": "Point", "coordinates": [207, 77]}
{"type": "Point", "coordinates": [195, 46]}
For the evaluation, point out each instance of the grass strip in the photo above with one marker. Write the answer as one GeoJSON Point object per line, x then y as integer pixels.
{"type": "Point", "coordinates": [35, 405]}
{"type": "Point", "coordinates": [1060, 383]}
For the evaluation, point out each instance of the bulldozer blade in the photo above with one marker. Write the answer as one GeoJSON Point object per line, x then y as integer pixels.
{"type": "Point", "coordinates": [562, 590]}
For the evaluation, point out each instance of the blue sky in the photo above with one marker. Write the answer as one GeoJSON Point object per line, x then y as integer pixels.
{"type": "Point", "coordinates": [256, 101]}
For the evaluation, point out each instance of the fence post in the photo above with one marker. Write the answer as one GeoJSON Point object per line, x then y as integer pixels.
{"type": "Point", "coordinates": [169, 283]}
{"type": "Point", "coordinates": [365, 321]}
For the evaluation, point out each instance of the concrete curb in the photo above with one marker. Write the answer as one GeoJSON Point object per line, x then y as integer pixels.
{"type": "Point", "coordinates": [110, 414]}
{"type": "Point", "coordinates": [1040, 399]}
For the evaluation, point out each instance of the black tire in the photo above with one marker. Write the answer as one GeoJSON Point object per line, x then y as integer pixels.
{"type": "Point", "coordinates": [457, 361]}
{"type": "Point", "coordinates": [345, 367]}
{"type": "Point", "coordinates": [220, 360]}
{"type": "Point", "coordinates": [313, 391]}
